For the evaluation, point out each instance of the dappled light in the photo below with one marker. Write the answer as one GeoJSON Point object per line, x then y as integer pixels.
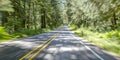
{"type": "Point", "coordinates": [65, 46]}
{"type": "Point", "coordinates": [59, 30]}
{"type": "Point", "coordinates": [23, 45]}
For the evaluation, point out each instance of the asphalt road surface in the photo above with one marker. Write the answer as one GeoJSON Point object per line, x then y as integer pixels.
{"type": "Point", "coordinates": [60, 44]}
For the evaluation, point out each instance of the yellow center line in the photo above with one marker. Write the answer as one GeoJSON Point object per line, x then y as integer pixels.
{"type": "Point", "coordinates": [36, 48]}
{"type": "Point", "coordinates": [31, 58]}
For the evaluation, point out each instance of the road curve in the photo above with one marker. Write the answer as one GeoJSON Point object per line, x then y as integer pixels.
{"type": "Point", "coordinates": [60, 44]}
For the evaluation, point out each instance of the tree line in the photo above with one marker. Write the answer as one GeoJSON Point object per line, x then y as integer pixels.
{"type": "Point", "coordinates": [18, 15]}
{"type": "Point", "coordinates": [102, 15]}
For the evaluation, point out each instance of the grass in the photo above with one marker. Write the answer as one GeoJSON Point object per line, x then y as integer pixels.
{"type": "Point", "coordinates": [5, 36]}
{"type": "Point", "coordinates": [109, 41]}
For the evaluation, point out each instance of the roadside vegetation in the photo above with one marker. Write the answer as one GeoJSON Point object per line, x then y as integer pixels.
{"type": "Point", "coordinates": [109, 40]}
{"type": "Point", "coordinates": [97, 21]}
{"type": "Point", "coordinates": [23, 18]}
{"type": "Point", "coordinates": [5, 36]}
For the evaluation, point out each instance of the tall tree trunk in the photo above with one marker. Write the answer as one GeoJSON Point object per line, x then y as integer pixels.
{"type": "Point", "coordinates": [24, 16]}
{"type": "Point", "coordinates": [29, 18]}
{"type": "Point", "coordinates": [0, 18]}
{"type": "Point", "coordinates": [114, 21]}
{"type": "Point", "coordinates": [34, 20]}
{"type": "Point", "coordinates": [43, 18]}
{"type": "Point", "coordinates": [4, 19]}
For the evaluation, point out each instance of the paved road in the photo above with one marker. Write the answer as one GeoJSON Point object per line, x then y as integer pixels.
{"type": "Point", "coordinates": [60, 44]}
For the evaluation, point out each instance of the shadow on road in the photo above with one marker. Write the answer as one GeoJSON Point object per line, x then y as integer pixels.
{"type": "Point", "coordinates": [64, 47]}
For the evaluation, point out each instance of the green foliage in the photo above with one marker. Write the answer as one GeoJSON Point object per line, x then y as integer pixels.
{"type": "Point", "coordinates": [4, 34]}
{"type": "Point", "coordinates": [3, 31]}
{"type": "Point", "coordinates": [26, 33]}
{"type": "Point", "coordinates": [113, 35]}
{"type": "Point", "coordinates": [105, 40]}
{"type": "Point", "coordinates": [102, 15]}
{"type": "Point", "coordinates": [96, 20]}
{"type": "Point", "coordinates": [29, 17]}
{"type": "Point", "coordinates": [5, 5]}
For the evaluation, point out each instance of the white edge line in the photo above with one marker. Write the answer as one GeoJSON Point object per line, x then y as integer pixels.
{"type": "Point", "coordinates": [89, 49]}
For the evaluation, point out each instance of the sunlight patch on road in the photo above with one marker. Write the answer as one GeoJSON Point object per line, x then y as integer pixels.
{"type": "Point", "coordinates": [56, 52]}
{"type": "Point", "coordinates": [62, 31]}
{"type": "Point", "coordinates": [73, 57]}
{"type": "Point", "coordinates": [22, 44]}
{"type": "Point", "coordinates": [63, 49]}
{"type": "Point", "coordinates": [49, 56]}
{"type": "Point", "coordinates": [51, 50]}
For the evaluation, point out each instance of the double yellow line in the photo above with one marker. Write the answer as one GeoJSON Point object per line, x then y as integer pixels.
{"type": "Point", "coordinates": [39, 48]}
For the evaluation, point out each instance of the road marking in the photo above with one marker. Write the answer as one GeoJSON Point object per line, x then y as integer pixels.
{"type": "Point", "coordinates": [89, 49]}
{"type": "Point", "coordinates": [40, 46]}
{"type": "Point", "coordinates": [45, 45]}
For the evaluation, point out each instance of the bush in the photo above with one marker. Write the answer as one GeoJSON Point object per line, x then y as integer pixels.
{"type": "Point", "coordinates": [113, 35]}
{"type": "Point", "coordinates": [4, 34]}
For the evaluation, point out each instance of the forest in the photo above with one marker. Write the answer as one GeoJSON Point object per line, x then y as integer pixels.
{"type": "Point", "coordinates": [95, 20]}
{"type": "Point", "coordinates": [20, 17]}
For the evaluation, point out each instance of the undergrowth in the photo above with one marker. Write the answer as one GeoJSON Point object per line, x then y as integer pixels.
{"type": "Point", "coordinates": [109, 40]}
{"type": "Point", "coordinates": [5, 36]}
